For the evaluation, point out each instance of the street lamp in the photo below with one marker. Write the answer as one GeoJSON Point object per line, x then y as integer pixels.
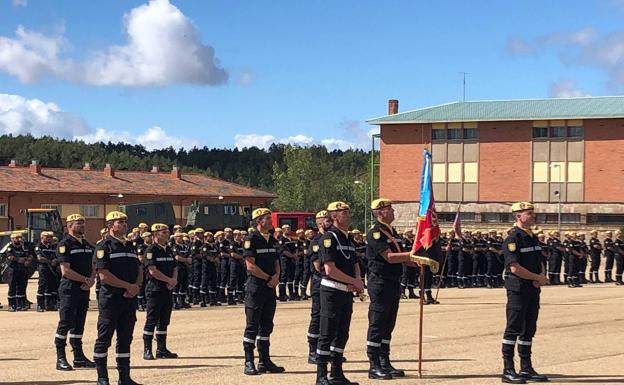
{"type": "Point", "coordinates": [359, 182]}
{"type": "Point", "coordinates": [558, 194]}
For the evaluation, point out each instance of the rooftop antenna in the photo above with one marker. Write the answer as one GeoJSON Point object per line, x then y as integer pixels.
{"type": "Point", "coordinates": [464, 85]}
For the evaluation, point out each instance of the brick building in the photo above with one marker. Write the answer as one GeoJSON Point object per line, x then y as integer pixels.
{"type": "Point", "coordinates": [93, 193]}
{"type": "Point", "coordinates": [487, 154]}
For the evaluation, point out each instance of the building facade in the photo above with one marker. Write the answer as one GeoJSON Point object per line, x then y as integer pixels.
{"type": "Point", "coordinates": [565, 155]}
{"type": "Point", "coordinates": [93, 193]}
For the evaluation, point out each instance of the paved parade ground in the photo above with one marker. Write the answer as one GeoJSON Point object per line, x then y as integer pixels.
{"type": "Point", "coordinates": [580, 339]}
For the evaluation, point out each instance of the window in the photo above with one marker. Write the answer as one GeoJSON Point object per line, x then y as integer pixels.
{"type": "Point", "coordinates": [575, 172]}
{"type": "Point", "coordinates": [606, 219]}
{"type": "Point", "coordinates": [446, 217]}
{"type": "Point", "coordinates": [540, 132]}
{"type": "Point", "coordinates": [558, 132]}
{"type": "Point", "coordinates": [466, 217]}
{"type": "Point", "coordinates": [292, 222]}
{"type": "Point", "coordinates": [552, 218]}
{"type": "Point", "coordinates": [454, 172]}
{"type": "Point", "coordinates": [3, 209]}
{"type": "Point", "coordinates": [185, 211]}
{"type": "Point", "coordinates": [206, 210]}
{"type": "Point", "coordinates": [470, 172]}
{"type": "Point", "coordinates": [575, 132]}
{"type": "Point", "coordinates": [141, 211]}
{"type": "Point", "coordinates": [496, 217]}
{"type": "Point", "coordinates": [470, 133]}
{"type": "Point", "coordinates": [310, 222]}
{"type": "Point", "coordinates": [438, 134]}
{"type": "Point", "coordinates": [540, 172]}
{"type": "Point", "coordinates": [90, 211]}
{"type": "Point", "coordinates": [230, 209]}
{"type": "Point", "coordinates": [454, 133]}
{"type": "Point", "coordinates": [557, 172]}
{"type": "Point", "coordinates": [439, 173]}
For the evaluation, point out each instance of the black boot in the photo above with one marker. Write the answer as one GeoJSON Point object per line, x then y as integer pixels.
{"type": "Point", "coordinates": [430, 300]}
{"type": "Point", "coordinates": [526, 367]}
{"type": "Point", "coordinates": [375, 371]}
{"type": "Point", "coordinates": [61, 360]}
{"type": "Point", "coordinates": [203, 302]}
{"type": "Point", "coordinates": [213, 299]}
{"type": "Point", "coordinates": [509, 372]}
{"type": "Point", "coordinates": [250, 368]}
{"type": "Point", "coordinates": [282, 292]}
{"type": "Point", "coordinates": [240, 297]}
{"type": "Point", "coordinates": [312, 344]}
{"type": "Point", "coordinates": [230, 298]}
{"type": "Point", "coordinates": [40, 303]}
{"type": "Point", "coordinates": [147, 348]}
{"type": "Point", "coordinates": [124, 374]}
{"type": "Point", "coordinates": [176, 303]}
{"type": "Point", "coordinates": [161, 347]}
{"type": "Point", "coordinates": [196, 296]}
{"type": "Point", "coordinates": [80, 360]}
{"type": "Point", "coordinates": [531, 375]}
{"type": "Point", "coordinates": [321, 374]}
{"type": "Point", "coordinates": [265, 365]}
{"type": "Point", "coordinates": [184, 302]}
{"type": "Point", "coordinates": [336, 375]}
{"type": "Point", "coordinates": [386, 365]}
{"type": "Point", "coordinates": [596, 280]}
{"type": "Point", "coordinates": [102, 371]}
{"type": "Point", "coordinates": [412, 295]}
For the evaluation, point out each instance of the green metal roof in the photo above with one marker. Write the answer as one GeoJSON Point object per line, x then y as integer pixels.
{"type": "Point", "coordinates": [496, 110]}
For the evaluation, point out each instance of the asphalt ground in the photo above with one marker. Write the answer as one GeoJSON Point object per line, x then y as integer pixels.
{"type": "Point", "coordinates": [580, 339]}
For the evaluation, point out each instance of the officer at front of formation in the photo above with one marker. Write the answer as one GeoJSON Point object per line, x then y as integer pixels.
{"type": "Point", "coordinates": [525, 274]}
{"type": "Point", "coordinates": [75, 255]}
{"type": "Point", "coordinates": [385, 259]}
{"type": "Point", "coordinates": [119, 269]}
{"type": "Point", "coordinates": [341, 278]}
{"type": "Point", "coordinates": [263, 268]}
{"type": "Point", "coordinates": [162, 278]}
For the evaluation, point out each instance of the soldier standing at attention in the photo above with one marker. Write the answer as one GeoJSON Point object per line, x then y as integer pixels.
{"type": "Point", "coordinates": [263, 267]}
{"type": "Point", "coordinates": [75, 255]}
{"type": "Point", "coordinates": [236, 284]}
{"type": "Point", "coordinates": [385, 259]}
{"type": "Point", "coordinates": [120, 272]}
{"type": "Point", "coordinates": [307, 268]}
{"type": "Point", "coordinates": [19, 260]}
{"type": "Point", "coordinates": [196, 253]}
{"type": "Point", "coordinates": [595, 250]}
{"type": "Point", "coordinates": [146, 240]}
{"type": "Point", "coordinates": [181, 255]}
{"type": "Point", "coordinates": [209, 276]}
{"type": "Point", "coordinates": [609, 251]}
{"type": "Point", "coordinates": [525, 275]}
{"type": "Point", "coordinates": [341, 278]}
{"type": "Point", "coordinates": [45, 251]}
{"type": "Point", "coordinates": [162, 278]}
{"type": "Point", "coordinates": [618, 247]}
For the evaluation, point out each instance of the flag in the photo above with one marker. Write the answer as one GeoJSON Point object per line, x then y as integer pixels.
{"type": "Point", "coordinates": [457, 223]}
{"type": "Point", "coordinates": [427, 227]}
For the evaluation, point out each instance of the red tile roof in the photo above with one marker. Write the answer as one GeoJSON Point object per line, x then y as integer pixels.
{"type": "Point", "coordinates": [60, 180]}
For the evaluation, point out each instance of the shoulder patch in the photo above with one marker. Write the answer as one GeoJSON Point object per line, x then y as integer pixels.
{"type": "Point", "coordinates": [376, 235]}
{"type": "Point", "coordinates": [247, 244]}
{"type": "Point", "coordinates": [327, 242]}
{"type": "Point", "coordinates": [100, 254]}
{"type": "Point", "coordinates": [62, 249]}
{"type": "Point", "coordinates": [315, 248]}
{"type": "Point", "coordinates": [148, 255]}
{"type": "Point", "coordinates": [511, 246]}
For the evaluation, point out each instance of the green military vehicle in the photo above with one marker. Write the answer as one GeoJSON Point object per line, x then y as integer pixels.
{"type": "Point", "coordinates": [150, 213]}
{"type": "Point", "coordinates": [217, 216]}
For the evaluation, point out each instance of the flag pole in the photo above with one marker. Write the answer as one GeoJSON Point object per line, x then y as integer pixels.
{"type": "Point", "coordinates": [445, 260]}
{"type": "Point", "coordinates": [421, 285]}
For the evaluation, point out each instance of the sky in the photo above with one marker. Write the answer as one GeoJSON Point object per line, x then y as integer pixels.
{"type": "Point", "coordinates": [225, 74]}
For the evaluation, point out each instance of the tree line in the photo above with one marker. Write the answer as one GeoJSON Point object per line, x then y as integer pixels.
{"type": "Point", "coordinates": [303, 178]}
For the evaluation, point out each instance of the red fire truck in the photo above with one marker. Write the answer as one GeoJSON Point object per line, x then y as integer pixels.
{"type": "Point", "coordinates": [295, 219]}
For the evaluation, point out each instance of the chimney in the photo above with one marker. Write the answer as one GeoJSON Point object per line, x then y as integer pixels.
{"type": "Point", "coordinates": [154, 169]}
{"type": "Point", "coordinates": [109, 171]}
{"type": "Point", "coordinates": [35, 167]}
{"type": "Point", "coordinates": [176, 172]}
{"type": "Point", "coordinates": [393, 107]}
{"type": "Point", "coordinates": [87, 166]}
{"type": "Point", "coordinates": [13, 163]}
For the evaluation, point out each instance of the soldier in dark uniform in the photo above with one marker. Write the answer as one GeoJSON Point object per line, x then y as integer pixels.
{"type": "Point", "coordinates": [556, 250]}
{"type": "Point", "coordinates": [307, 268]}
{"type": "Point", "coordinates": [609, 251]}
{"type": "Point", "coordinates": [609, 259]}
{"type": "Point", "coordinates": [341, 278]}
{"type": "Point", "coordinates": [224, 248]}
{"type": "Point", "coordinates": [595, 251]}
{"type": "Point", "coordinates": [236, 283]}
{"type": "Point", "coordinates": [98, 283]}
{"type": "Point", "coordinates": [299, 259]}
{"type": "Point", "coordinates": [360, 251]}
{"type": "Point", "coordinates": [120, 271]}
{"type": "Point", "coordinates": [618, 248]}
{"type": "Point", "coordinates": [181, 255]}
{"type": "Point", "coordinates": [464, 260]}
{"type": "Point", "coordinates": [323, 223]}
{"type": "Point", "coordinates": [525, 275]}
{"type": "Point", "coordinates": [19, 259]}
{"type": "Point", "coordinates": [491, 253]}
{"type": "Point", "coordinates": [162, 278]}
{"type": "Point", "coordinates": [453, 248]}
{"type": "Point", "coordinates": [47, 266]}
{"type": "Point", "coordinates": [141, 245]}
{"type": "Point", "coordinates": [75, 256]}
{"type": "Point", "coordinates": [263, 268]}
{"type": "Point", "coordinates": [197, 244]}
{"type": "Point", "coordinates": [385, 259]}
{"type": "Point", "coordinates": [209, 283]}
{"type": "Point", "coordinates": [478, 259]}
{"type": "Point", "coordinates": [584, 248]}
{"type": "Point", "coordinates": [288, 254]}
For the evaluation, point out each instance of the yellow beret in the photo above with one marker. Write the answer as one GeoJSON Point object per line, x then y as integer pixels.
{"type": "Point", "coordinates": [177, 227]}
{"type": "Point", "coordinates": [159, 227]}
{"type": "Point", "coordinates": [75, 217]}
{"type": "Point", "coordinates": [250, 229]}
{"type": "Point", "coordinates": [186, 238]}
{"type": "Point", "coordinates": [308, 232]}
{"type": "Point", "coordinates": [191, 233]}
{"type": "Point", "coordinates": [593, 232]}
{"type": "Point", "coordinates": [243, 232]}
{"type": "Point", "coordinates": [237, 231]}
{"type": "Point", "coordinates": [129, 235]}
{"type": "Point", "coordinates": [115, 215]}
{"type": "Point", "coordinates": [227, 230]}
{"type": "Point", "coordinates": [492, 230]}
{"type": "Point", "coordinates": [143, 224]}
{"type": "Point", "coordinates": [609, 232]}
{"type": "Point", "coordinates": [146, 234]}
{"type": "Point", "coordinates": [278, 229]}
{"type": "Point", "coordinates": [135, 229]}
{"type": "Point", "coordinates": [257, 213]}
{"type": "Point", "coordinates": [321, 214]}
{"type": "Point", "coordinates": [380, 203]}
{"type": "Point", "coordinates": [299, 231]}
{"type": "Point", "coordinates": [218, 233]}
{"type": "Point", "coordinates": [208, 234]}
{"type": "Point", "coordinates": [179, 234]}
{"type": "Point", "coordinates": [355, 231]}
{"type": "Point", "coordinates": [499, 233]}
{"type": "Point", "coordinates": [199, 230]}
{"type": "Point", "coordinates": [285, 227]}
{"type": "Point", "coordinates": [521, 206]}
{"type": "Point", "coordinates": [338, 206]}
{"type": "Point", "coordinates": [16, 234]}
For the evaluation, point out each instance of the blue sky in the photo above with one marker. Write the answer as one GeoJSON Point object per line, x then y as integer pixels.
{"type": "Point", "coordinates": [234, 73]}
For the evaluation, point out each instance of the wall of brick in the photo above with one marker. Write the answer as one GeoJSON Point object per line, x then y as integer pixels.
{"type": "Point", "coordinates": [505, 161]}
{"type": "Point", "coordinates": [401, 158]}
{"type": "Point", "coordinates": [604, 160]}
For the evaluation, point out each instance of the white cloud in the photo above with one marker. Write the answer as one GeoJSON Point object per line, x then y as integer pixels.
{"type": "Point", "coordinates": [252, 140]}
{"type": "Point", "coordinates": [20, 3]}
{"type": "Point", "coordinates": [21, 116]}
{"type": "Point", "coordinates": [299, 140]}
{"type": "Point", "coordinates": [163, 47]}
{"type": "Point", "coordinates": [566, 88]}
